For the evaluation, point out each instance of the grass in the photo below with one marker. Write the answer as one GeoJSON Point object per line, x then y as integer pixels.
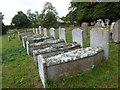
{"type": "Point", "coordinates": [19, 70]}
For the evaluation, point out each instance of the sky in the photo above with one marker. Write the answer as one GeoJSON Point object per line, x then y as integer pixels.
{"type": "Point", "coordinates": [10, 7]}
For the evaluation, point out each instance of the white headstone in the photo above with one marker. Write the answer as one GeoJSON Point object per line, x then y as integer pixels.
{"type": "Point", "coordinates": [45, 31]}
{"type": "Point", "coordinates": [36, 30]}
{"type": "Point", "coordinates": [52, 32]}
{"type": "Point", "coordinates": [33, 30]}
{"type": "Point", "coordinates": [99, 37]}
{"type": "Point", "coordinates": [102, 23]}
{"type": "Point", "coordinates": [62, 34]}
{"type": "Point", "coordinates": [40, 32]}
{"type": "Point", "coordinates": [112, 26]}
{"type": "Point", "coordinates": [77, 36]}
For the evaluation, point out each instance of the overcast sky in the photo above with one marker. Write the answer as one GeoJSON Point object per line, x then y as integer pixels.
{"type": "Point", "coordinates": [10, 7]}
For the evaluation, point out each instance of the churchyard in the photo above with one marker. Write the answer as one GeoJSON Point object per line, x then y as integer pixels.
{"type": "Point", "coordinates": [39, 60]}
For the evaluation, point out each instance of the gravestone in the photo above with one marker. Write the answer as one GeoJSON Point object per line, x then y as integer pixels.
{"type": "Point", "coordinates": [52, 32]}
{"type": "Point", "coordinates": [116, 31]}
{"type": "Point", "coordinates": [98, 24]}
{"type": "Point", "coordinates": [99, 37]}
{"type": "Point", "coordinates": [84, 27]}
{"type": "Point", "coordinates": [33, 30]}
{"type": "Point", "coordinates": [9, 38]}
{"type": "Point", "coordinates": [112, 26]}
{"type": "Point", "coordinates": [27, 47]}
{"type": "Point", "coordinates": [36, 30]}
{"type": "Point", "coordinates": [102, 23]}
{"type": "Point", "coordinates": [19, 36]}
{"type": "Point", "coordinates": [40, 32]}
{"type": "Point", "coordinates": [77, 36]}
{"type": "Point", "coordinates": [62, 34]}
{"type": "Point", "coordinates": [45, 31]}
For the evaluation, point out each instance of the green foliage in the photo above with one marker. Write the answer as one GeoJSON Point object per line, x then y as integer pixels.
{"type": "Point", "coordinates": [21, 20]}
{"type": "Point", "coordinates": [48, 18]}
{"type": "Point", "coordinates": [4, 29]}
{"type": "Point", "coordinates": [88, 12]}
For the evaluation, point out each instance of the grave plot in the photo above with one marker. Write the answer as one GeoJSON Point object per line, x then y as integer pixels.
{"type": "Point", "coordinates": [54, 49]}
{"type": "Point", "coordinates": [20, 35]}
{"type": "Point", "coordinates": [36, 38]}
{"type": "Point", "coordinates": [55, 63]}
{"type": "Point", "coordinates": [40, 45]}
{"type": "Point", "coordinates": [69, 63]}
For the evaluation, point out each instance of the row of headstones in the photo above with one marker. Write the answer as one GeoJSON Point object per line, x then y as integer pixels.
{"type": "Point", "coordinates": [98, 37]}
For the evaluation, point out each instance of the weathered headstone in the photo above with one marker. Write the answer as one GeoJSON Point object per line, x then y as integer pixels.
{"type": "Point", "coordinates": [40, 32]}
{"type": "Point", "coordinates": [9, 38]}
{"type": "Point", "coordinates": [77, 36]}
{"type": "Point", "coordinates": [99, 37]}
{"type": "Point", "coordinates": [116, 31]}
{"type": "Point", "coordinates": [98, 24]}
{"type": "Point", "coordinates": [36, 30]}
{"type": "Point", "coordinates": [52, 32]}
{"type": "Point", "coordinates": [45, 31]}
{"type": "Point", "coordinates": [112, 26]}
{"type": "Point", "coordinates": [69, 63]}
{"type": "Point", "coordinates": [62, 34]}
{"type": "Point", "coordinates": [27, 47]}
{"type": "Point", "coordinates": [102, 23]}
{"type": "Point", "coordinates": [84, 27]}
{"type": "Point", "coordinates": [33, 30]}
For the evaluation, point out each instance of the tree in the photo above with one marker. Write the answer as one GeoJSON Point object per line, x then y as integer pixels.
{"type": "Point", "coordinates": [33, 17]}
{"type": "Point", "coordinates": [21, 20]}
{"type": "Point", "coordinates": [49, 17]}
{"type": "Point", "coordinates": [88, 12]}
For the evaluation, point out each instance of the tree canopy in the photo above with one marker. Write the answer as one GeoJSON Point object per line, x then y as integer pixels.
{"type": "Point", "coordinates": [87, 11]}
{"type": "Point", "coordinates": [21, 20]}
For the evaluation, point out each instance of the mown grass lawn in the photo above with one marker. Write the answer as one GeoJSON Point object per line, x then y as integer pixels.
{"type": "Point", "coordinates": [19, 70]}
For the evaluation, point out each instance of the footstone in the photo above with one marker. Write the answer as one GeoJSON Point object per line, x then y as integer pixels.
{"type": "Point", "coordinates": [77, 36]}
{"type": "Point", "coordinates": [70, 63]}
{"type": "Point", "coordinates": [99, 37]}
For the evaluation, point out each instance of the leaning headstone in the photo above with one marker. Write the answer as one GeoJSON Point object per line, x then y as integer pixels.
{"type": "Point", "coordinates": [45, 31]}
{"type": "Point", "coordinates": [36, 30]}
{"type": "Point", "coordinates": [84, 27]}
{"type": "Point", "coordinates": [77, 36]}
{"type": "Point", "coordinates": [40, 32]}
{"type": "Point", "coordinates": [116, 32]}
{"type": "Point", "coordinates": [62, 34]}
{"type": "Point", "coordinates": [52, 32]}
{"type": "Point", "coordinates": [99, 37]}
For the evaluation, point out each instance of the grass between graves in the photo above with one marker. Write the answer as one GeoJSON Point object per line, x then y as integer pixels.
{"type": "Point", "coordinates": [19, 70]}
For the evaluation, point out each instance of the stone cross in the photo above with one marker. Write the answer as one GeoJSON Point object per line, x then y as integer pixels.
{"type": "Point", "coordinates": [116, 31]}
{"type": "Point", "coordinates": [45, 31]}
{"type": "Point", "coordinates": [77, 36]}
{"type": "Point", "coordinates": [99, 37]}
{"type": "Point", "coordinates": [52, 32]}
{"type": "Point", "coordinates": [62, 34]}
{"type": "Point", "coordinates": [40, 32]}
{"type": "Point", "coordinates": [84, 27]}
{"type": "Point", "coordinates": [36, 30]}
